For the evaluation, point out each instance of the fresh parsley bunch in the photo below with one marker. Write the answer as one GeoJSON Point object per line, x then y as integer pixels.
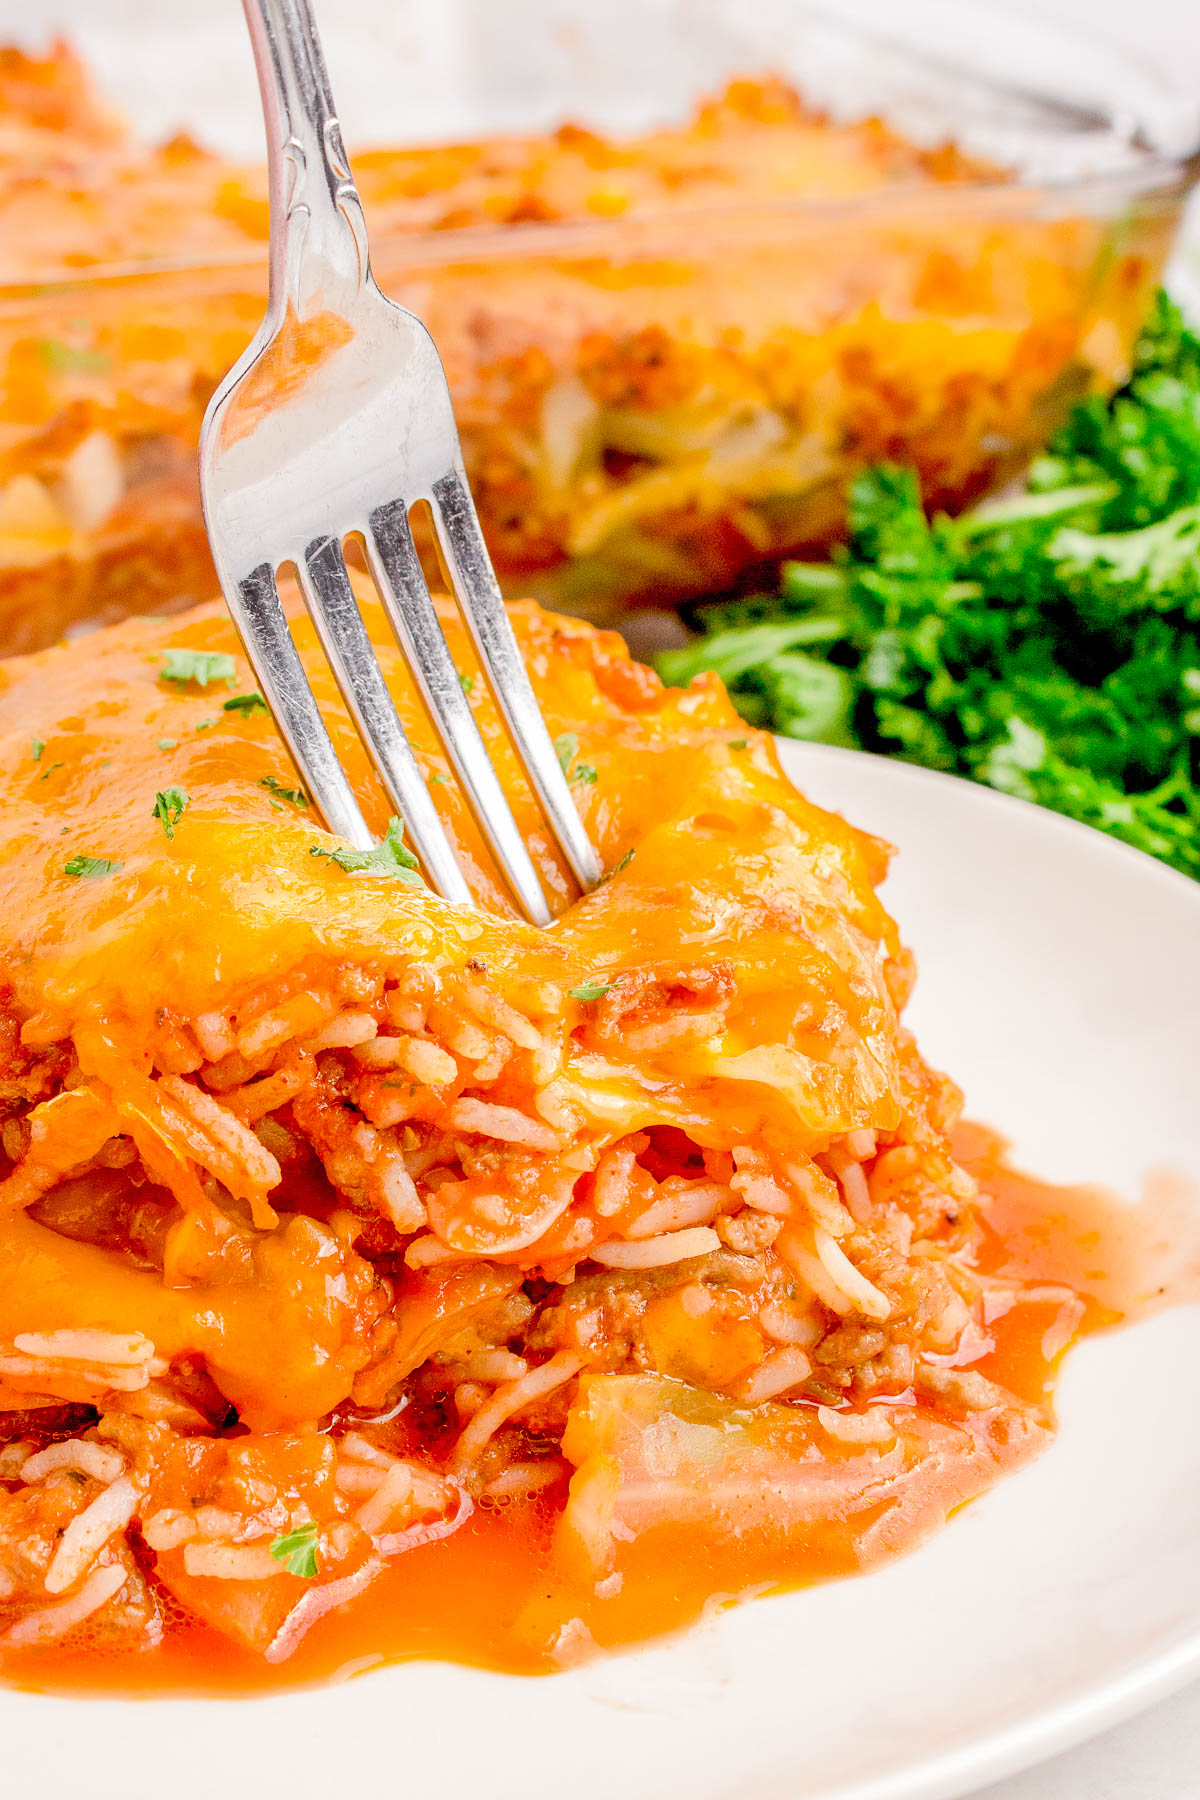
{"type": "Point", "coordinates": [1048, 645]}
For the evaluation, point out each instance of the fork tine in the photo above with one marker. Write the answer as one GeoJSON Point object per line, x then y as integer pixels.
{"type": "Point", "coordinates": [483, 605]}
{"type": "Point", "coordinates": [334, 610]}
{"type": "Point", "coordinates": [259, 616]}
{"type": "Point", "coordinates": [401, 583]}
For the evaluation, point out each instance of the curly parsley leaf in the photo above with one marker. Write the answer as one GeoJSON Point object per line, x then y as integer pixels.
{"type": "Point", "coordinates": [566, 748]}
{"type": "Point", "coordinates": [297, 1550]}
{"type": "Point", "coordinates": [296, 796]}
{"type": "Point", "coordinates": [91, 868]}
{"type": "Point", "coordinates": [200, 666]}
{"type": "Point", "coordinates": [1047, 644]}
{"type": "Point", "coordinates": [389, 858]}
{"type": "Point", "coordinates": [169, 807]}
{"type": "Point", "coordinates": [590, 990]}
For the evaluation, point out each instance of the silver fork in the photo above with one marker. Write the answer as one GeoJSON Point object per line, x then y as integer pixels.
{"type": "Point", "coordinates": [336, 420]}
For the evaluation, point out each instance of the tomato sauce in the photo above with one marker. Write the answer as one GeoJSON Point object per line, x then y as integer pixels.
{"type": "Point", "coordinates": [492, 1596]}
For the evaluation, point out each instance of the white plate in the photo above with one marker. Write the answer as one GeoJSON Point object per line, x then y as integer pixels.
{"type": "Point", "coordinates": [1060, 982]}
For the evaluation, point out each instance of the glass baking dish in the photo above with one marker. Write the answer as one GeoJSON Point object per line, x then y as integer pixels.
{"type": "Point", "coordinates": [657, 396]}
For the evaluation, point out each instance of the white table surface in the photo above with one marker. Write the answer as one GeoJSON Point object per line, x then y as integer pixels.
{"type": "Point", "coordinates": [1154, 1757]}
{"type": "Point", "coordinates": [1157, 1755]}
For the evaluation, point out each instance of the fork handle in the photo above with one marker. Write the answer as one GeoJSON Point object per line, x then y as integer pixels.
{"type": "Point", "coordinates": [318, 234]}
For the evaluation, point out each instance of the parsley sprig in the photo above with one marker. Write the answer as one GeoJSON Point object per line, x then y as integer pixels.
{"type": "Point", "coordinates": [169, 807]}
{"type": "Point", "coordinates": [389, 858]}
{"type": "Point", "coordinates": [566, 748]}
{"type": "Point", "coordinates": [91, 868]}
{"type": "Point", "coordinates": [297, 1550]}
{"type": "Point", "coordinates": [296, 796]}
{"type": "Point", "coordinates": [1047, 645]}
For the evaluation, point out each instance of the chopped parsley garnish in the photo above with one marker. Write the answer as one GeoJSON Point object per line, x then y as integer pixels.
{"type": "Point", "coordinates": [168, 743]}
{"type": "Point", "coordinates": [296, 795]}
{"type": "Point", "coordinates": [438, 780]}
{"type": "Point", "coordinates": [739, 743]}
{"type": "Point", "coordinates": [91, 868]}
{"type": "Point", "coordinates": [36, 748]}
{"type": "Point", "coordinates": [1047, 645]}
{"type": "Point", "coordinates": [47, 773]}
{"type": "Point", "coordinates": [245, 703]}
{"type": "Point", "coordinates": [388, 858]}
{"type": "Point", "coordinates": [566, 748]}
{"type": "Point", "coordinates": [64, 358]}
{"type": "Point", "coordinates": [297, 1550]}
{"type": "Point", "coordinates": [590, 990]}
{"type": "Point", "coordinates": [200, 666]}
{"type": "Point", "coordinates": [169, 808]}
{"type": "Point", "coordinates": [467, 683]}
{"type": "Point", "coordinates": [617, 867]}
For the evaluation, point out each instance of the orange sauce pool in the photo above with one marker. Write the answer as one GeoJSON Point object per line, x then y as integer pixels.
{"type": "Point", "coordinates": [490, 1595]}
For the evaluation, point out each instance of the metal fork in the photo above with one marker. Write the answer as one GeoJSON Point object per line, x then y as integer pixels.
{"type": "Point", "coordinates": [336, 420]}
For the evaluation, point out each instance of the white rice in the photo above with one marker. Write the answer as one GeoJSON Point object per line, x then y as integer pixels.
{"type": "Point", "coordinates": [511, 1399]}
{"type": "Point", "coordinates": [89, 1531]}
{"type": "Point", "coordinates": [425, 1252]}
{"type": "Point", "coordinates": [271, 1029]}
{"type": "Point", "coordinates": [497, 1013]}
{"type": "Point", "coordinates": [346, 1031]}
{"type": "Point", "coordinates": [807, 1266]}
{"type": "Point", "coordinates": [656, 1253]}
{"type": "Point", "coordinates": [211, 1031]}
{"type": "Point", "coordinates": [168, 1528]}
{"type": "Point", "coordinates": [757, 1185]}
{"type": "Point", "coordinates": [820, 1196]}
{"type": "Point", "coordinates": [78, 1454]}
{"type": "Point", "coordinates": [495, 1366]}
{"type": "Point", "coordinates": [614, 1180]}
{"type": "Point", "coordinates": [255, 1163]}
{"type": "Point", "coordinates": [522, 1478]}
{"type": "Point", "coordinates": [787, 1327]}
{"type": "Point", "coordinates": [358, 1478]}
{"type": "Point", "coordinates": [361, 1449]}
{"type": "Point", "coordinates": [231, 1562]}
{"type": "Point", "coordinates": [427, 1062]}
{"type": "Point", "coordinates": [875, 1426]}
{"type": "Point", "coordinates": [862, 1294]}
{"type": "Point", "coordinates": [781, 1370]}
{"type": "Point", "coordinates": [395, 1490]}
{"type": "Point", "coordinates": [680, 1203]}
{"type": "Point", "coordinates": [122, 1379]}
{"type": "Point", "coordinates": [118, 1349]}
{"type": "Point", "coordinates": [50, 1622]}
{"type": "Point", "coordinates": [503, 1122]}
